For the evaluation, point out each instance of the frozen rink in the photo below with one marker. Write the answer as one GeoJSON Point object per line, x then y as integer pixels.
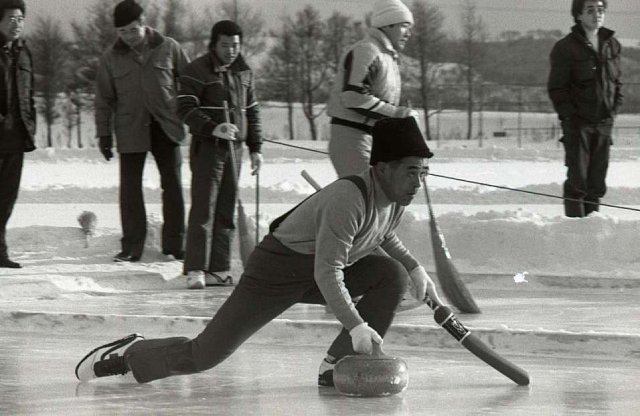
{"type": "Point", "coordinates": [573, 325]}
{"type": "Point", "coordinates": [37, 379]}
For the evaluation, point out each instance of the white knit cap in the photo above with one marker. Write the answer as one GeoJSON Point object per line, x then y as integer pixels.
{"type": "Point", "coordinates": [390, 12]}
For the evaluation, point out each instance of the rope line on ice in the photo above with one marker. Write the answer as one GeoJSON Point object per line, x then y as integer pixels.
{"type": "Point", "coordinates": [506, 188]}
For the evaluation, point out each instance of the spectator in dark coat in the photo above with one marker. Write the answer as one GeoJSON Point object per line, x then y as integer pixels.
{"type": "Point", "coordinates": [136, 89]}
{"type": "Point", "coordinates": [586, 89]}
{"type": "Point", "coordinates": [17, 112]}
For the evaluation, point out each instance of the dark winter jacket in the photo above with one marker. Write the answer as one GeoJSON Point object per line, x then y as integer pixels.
{"type": "Point", "coordinates": [585, 83]}
{"type": "Point", "coordinates": [23, 105]}
{"type": "Point", "coordinates": [206, 84]}
{"type": "Point", "coordinates": [131, 90]}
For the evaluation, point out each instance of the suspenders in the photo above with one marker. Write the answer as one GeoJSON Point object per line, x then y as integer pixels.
{"type": "Point", "coordinates": [357, 180]}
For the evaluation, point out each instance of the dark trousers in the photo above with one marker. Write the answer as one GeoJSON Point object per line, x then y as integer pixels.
{"type": "Point", "coordinates": [275, 279]}
{"type": "Point", "coordinates": [587, 159]}
{"type": "Point", "coordinates": [132, 210]}
{"type": "Point", "coordinates": [213, 201]}
{"type": "Point", "coordinates": [10, 175]}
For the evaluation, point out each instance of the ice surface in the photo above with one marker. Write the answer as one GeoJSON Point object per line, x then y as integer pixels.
{"type": "Point", "coordinates": [267, 380]}
{"type": "Point", "coordinates": [578, 309]}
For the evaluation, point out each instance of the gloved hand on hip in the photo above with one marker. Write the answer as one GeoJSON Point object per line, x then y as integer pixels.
{"type": "Point", "coordinates": [362, 336]}
{"type": "Point", "coordinates": [226, 131]}
{"type": "Point", "coordinates": [421, 285]}
{"type": "Point", "coordinates": [404, 112]}
{"type": "Point", "coordinates": [105, 145]}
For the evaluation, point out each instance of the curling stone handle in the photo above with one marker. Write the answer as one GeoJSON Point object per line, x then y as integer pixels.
{"type": "Point", "coordinates": [377, 350]}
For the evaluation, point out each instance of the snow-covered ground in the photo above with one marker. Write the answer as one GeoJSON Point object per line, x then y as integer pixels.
{"type": "Point", "coordinates": [486, 230]}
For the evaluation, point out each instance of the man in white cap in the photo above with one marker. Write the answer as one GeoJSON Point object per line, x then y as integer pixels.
{"type": "Point", "coordinates": [367, 87]}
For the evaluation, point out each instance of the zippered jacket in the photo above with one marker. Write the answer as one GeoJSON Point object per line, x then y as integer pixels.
{"type": "Point", "coordinates": [583, 82]}
{"type": "Point", "coordinates": [368, 85]}
{"type": "Point", "coordinates": [204, 87]}
{"type": "Point", "coordinates": [130, 90]}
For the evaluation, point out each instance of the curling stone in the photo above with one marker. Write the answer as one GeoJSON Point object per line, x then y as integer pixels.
{"type": "Point", "coordinates": [372, 375]}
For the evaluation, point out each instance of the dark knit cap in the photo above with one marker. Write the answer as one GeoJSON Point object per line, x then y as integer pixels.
{"type": "Point", "coordinates": [397, 138]}
{"type": "Point", "coordinates": [126, 11]}
{"type": "Point", "coordinates": [10, 5]}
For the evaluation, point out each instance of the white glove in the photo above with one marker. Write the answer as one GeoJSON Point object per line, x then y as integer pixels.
{"type": "Point", "coordinates": [362, 336]}
{"type": "Point", "coordinates": [404, 112]}
{"type": "Point", "coordinates": [422, 285]}
{"type": "Point", "coordinates": [256, 162]}
{"type": "Point", "coordinates": [226, 131]}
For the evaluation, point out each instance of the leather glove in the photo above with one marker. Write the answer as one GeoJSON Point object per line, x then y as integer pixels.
{"type": "Point", "coordinates": [256, 162]}
{"type": "Point", "coordinates": [404, 112]}
{"type": "Point", "coordinates": [226, 131]}
{"type": "Point", "coordinates": [106, 143]}
{"type": "Point", "coordinates": [362, 336]}
{"type": "Point", "coordinates": [422, 285]}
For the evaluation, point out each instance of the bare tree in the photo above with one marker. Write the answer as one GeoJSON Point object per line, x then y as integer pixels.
{"type": "Point", "coordinates": [308, 35]}
{"type": "Point", "coordinates": [174, 19]}
{"type": "Point", "coordinates": [472, 42]}
{"type": "Point", "coordinates": [251, 22]}
{"type": "Point", "coordinates": [279, 73]}
{"type": "Point", "coordinates": [92, 36]}
{"type": "Point", "coordinates": [341, 31]}
{"type": "Point", "coordinates": [50, 53]}
{"type": "Point", "coordinates": [198, 31]}
{"type": "Point", "coordinates": [427, 45]}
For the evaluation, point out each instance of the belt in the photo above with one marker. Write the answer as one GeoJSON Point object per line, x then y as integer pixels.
{"type": "Point", "coordinates": [360, 126]}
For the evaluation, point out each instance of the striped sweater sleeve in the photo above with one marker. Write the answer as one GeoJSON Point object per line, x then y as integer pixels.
{"type": "Point", "coordinates": [361, 67]}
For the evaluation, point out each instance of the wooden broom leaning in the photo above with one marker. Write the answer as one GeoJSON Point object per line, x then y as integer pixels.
{"type": "Point", "coordinates": [448, 276]}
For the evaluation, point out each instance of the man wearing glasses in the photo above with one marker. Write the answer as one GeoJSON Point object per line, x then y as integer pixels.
{"type": "Point", "coordinates": [585, 88]}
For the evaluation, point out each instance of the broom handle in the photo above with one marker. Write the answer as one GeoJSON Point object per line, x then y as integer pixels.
{"type": "Point", "coordinates": [257, 207]}
{"type": "Point", "coordinates": [232, 150]}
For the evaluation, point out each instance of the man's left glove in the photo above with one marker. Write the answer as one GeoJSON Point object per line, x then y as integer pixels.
{"type": "Point", "coordinates": [422, 285]}
{"type": "Point", "coordinates": [256, 162]}
{"type": "Point", "coordinates": [106, 143]}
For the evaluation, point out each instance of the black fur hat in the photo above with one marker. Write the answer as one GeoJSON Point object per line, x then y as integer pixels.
{"type": "Point", "coordinates": [397, 138]}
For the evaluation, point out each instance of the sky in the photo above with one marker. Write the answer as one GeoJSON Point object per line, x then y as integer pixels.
{"type": "Point", "coordinates": [500, 15]}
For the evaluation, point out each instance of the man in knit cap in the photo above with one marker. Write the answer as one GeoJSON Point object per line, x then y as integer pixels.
{"type": "Point", "coordinates": [136, 89]}
{"type": "Point", "coordinates": [367, 87]}
{"type": "Point", "coordinates": [17, 112]}
{"type": "Point", "coordinates": [326, 260]}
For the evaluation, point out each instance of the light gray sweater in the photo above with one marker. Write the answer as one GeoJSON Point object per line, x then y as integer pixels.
{"type": "Point", "coordinates": [339, 228]}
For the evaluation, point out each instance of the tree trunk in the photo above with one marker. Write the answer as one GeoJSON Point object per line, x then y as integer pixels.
{"type": "Point", "coordinates": [79, 125]}
{"type": "Point", "coordinates": [469, 105]}
{"type": "Point", "coordinates": [425, 106]}
{"type": "Point", "coordinates": [290, 119]}
{"type": "Point", "coordinates": [49, 135]}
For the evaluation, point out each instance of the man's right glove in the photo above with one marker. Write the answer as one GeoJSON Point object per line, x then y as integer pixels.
{"type": "Point", "coordinates": [362, 336]}
{"type": "Point", "coordinates": [226, 131]}
{"type": "Point", "coordinates": [106, 143]}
